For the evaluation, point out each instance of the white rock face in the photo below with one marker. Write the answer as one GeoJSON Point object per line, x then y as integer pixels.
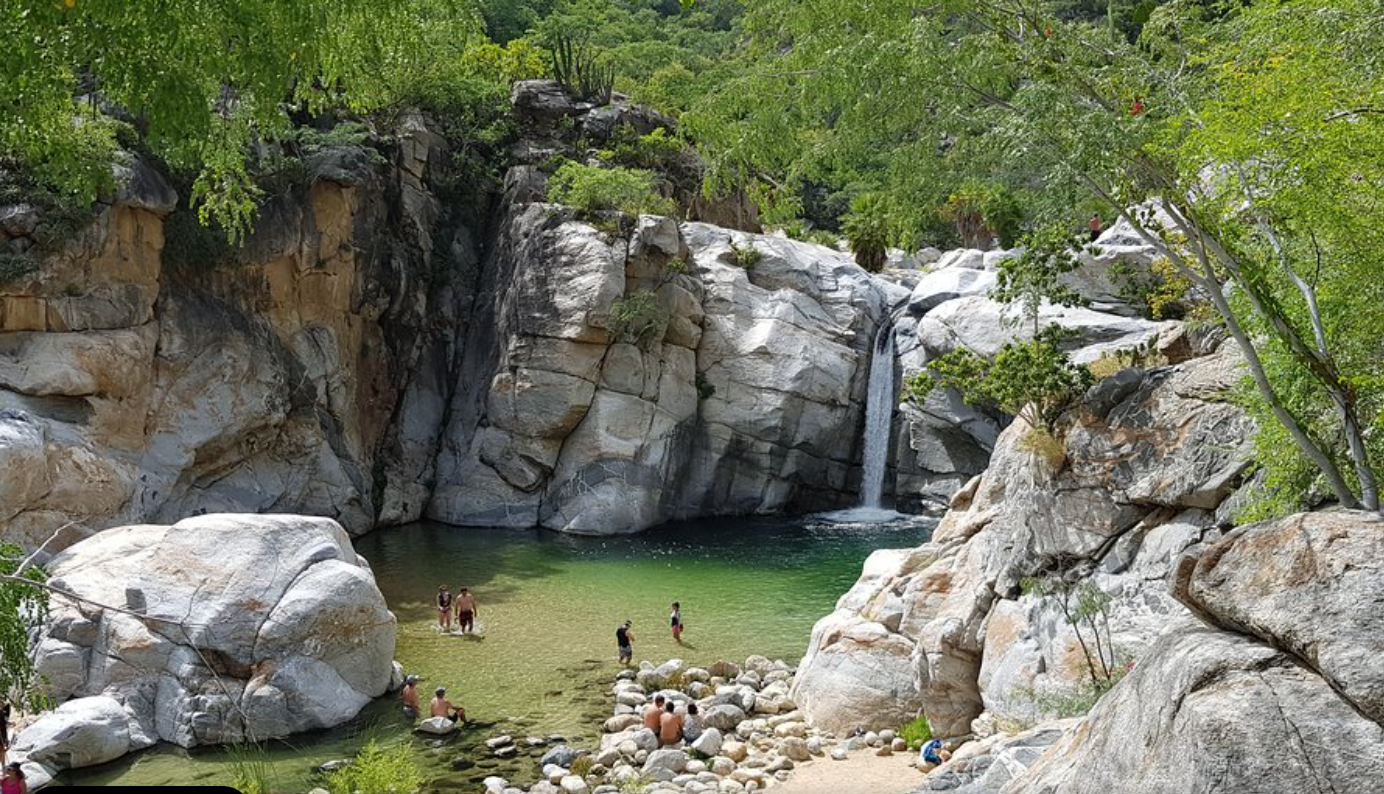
{"type": "Point", "coordinates": [945, 629]}
{"type": "Point", "coordinates": [592, 425]}
{"type": "Point", "coordinates": [291, 618]}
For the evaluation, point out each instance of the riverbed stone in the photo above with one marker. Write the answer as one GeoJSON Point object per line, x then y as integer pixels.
{"type": "Point", "coordinates": [709, 743]}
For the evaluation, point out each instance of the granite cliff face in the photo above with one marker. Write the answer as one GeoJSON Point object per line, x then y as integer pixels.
{"type": "Point", "coordinates": [295, 375]}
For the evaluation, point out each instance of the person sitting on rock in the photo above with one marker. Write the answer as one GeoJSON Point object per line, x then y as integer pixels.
{"type": "Point", "coordinates": [653, 714]}
{"type": "Point", "coordinates": [933, 755]}
{"type": "Point", "coordinates": [691, 724]}
{"type": "Point", "coordinates": [410, 697]}
{"type": "Point", "coordinates": [669, 725]}
{"type": "Point", "coordinates": [442, 707]}
{"type": "Point", "coordinates": [14, 782]}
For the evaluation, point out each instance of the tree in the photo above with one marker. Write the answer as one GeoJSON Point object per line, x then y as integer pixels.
{"type": "Point", "coordinates": [1034, 277]}
{"type": "Point", "coordinates": [23, 603]}
{"type": "Point", "coordinates": [1032, 380]}
{"type": "Point", "coordinates": [197, 82]}
{"type": "Point", "coordinates": [1202, 133]}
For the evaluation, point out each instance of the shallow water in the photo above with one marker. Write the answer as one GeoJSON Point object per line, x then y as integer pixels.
{"type": "Point", "coordinates": [548, 608]}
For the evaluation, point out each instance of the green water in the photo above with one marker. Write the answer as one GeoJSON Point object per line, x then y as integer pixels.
{"type": "Point", "coordinates": [548, 608]}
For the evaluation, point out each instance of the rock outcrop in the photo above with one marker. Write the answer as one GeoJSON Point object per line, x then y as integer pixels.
{"type": "Point", "coordinates": [217, 629]}
{"type": "Point", "coordinates": [628, 381]}
{"type": "Point", "coordinates": [1147, 459]}
{"type": "Point", "coordinates": [1282, 694]}
{"type": "Point", "coordinates": [167, 374]}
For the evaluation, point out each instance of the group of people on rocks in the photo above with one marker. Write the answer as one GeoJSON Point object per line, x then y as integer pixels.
{"type": "Point", "coordinates": [464, 604]}
{"type": "Point", "coordinates": [670, 724]}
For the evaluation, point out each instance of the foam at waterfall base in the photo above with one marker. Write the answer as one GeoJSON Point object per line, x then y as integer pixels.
{"type": "Point", "coordinates": [865, 515]}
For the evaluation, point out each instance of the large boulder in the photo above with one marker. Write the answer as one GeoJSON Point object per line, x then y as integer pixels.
{"type": "Point", "coordinates": [244, 628]}
{"type": "Point", "coordinates": [1310, 585]}
{"type": "Point", "coordinates": [1206, 710]}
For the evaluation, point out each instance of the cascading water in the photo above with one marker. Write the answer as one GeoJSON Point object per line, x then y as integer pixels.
{"type": "Point", "coordinates": [880, 399]}
{"type": "Point", "coordinates": [879, 416]}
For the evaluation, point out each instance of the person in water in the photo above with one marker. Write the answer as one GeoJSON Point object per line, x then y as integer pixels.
{"type": "Point", "coordinates": [669, 725]}
{"type": "Point", "coordinates": [14, 782]}
{"type": "Point", "coordinates": [624, 638]}
{"type": "Point", "coordinates": [675, 620]}
{"type": "Point", "coordinates": [410, 697]}
{"type": "Point", "coordinates": [653, 714]}
{"type": "Point", "coordinates": [466, 611]}
{"type": "Point", "coordinates": [444, 607]}
{"type": "Point", "coordinates": [691, 724]}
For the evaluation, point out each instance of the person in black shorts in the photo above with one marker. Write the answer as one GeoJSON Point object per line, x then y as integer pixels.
{"type": "Point", "coordinates": [675, 620]}
{"type": "Point", "coordinates": [624, 638]}
{"type": "Point", "coordinates": [444, 608]}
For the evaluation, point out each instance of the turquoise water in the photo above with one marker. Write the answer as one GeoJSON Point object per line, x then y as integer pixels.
{"type": "Point", "coordinates": [549, 605]}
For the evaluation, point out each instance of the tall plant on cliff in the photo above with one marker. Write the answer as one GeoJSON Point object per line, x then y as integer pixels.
{"type": "Point", "coordinates": [1244, 142]}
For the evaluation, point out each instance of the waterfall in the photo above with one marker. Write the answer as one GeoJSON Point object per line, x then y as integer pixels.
{"type": "Point", "coordinates": [879, 416]}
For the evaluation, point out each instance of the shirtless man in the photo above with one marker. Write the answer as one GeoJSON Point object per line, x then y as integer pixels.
{"type": "Point", "coordinates": [653, 714]}
{"type": "Point", "coordinates": [442, 707]}
{"type": "Point", "coordinates": [444, 607]}
{"type": "Point", "coordinates": [410, 697]}
{"type": "Point", "coordinates": [624, 639]}
{"type": "Point", "coordinates": [466, 610]}
{"type": "Point", "coordinates": [669, 725]}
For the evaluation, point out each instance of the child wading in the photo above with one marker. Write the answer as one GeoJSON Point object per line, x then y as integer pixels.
{"type": "Point", "coordinates": [675, 620]}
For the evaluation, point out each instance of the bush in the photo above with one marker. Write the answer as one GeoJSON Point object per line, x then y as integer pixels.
{"type": "Point", "coordinates": [1145, 355]}
{"type": "Point", "coordinates": [1032, 380]}
{"type": "Point", "coordinates": [705, 388]}
{"type": "Point", "coordinates": [251, 772]}
{"type": "Point", "coordinates": [657, 150]}
{"type": "Point", "coordinates": [591, 189]}
{"type": "Point", "coordinates": [917, 733]}
{"type": "Point", "coordinates": [14, 267]}
{"type": "Point", "coordinates": [582, 766]}
{"type": "Point", "coordinates": [679, 266]}
{"type": "Point", "coordinates": [378, 770]}
{"type": "Point", "coordinates": [867, 230]}
{"type": "Point", "coordinates": [638, 319]}
{"type": "Point", "coordinates": [1044, 446]}
{"type": "Point", "coordinates": [981, 212]}
{"type": "Point", "coordinates": [746, 256]}
{"type": "Point", "coordinates": [1162, 294]}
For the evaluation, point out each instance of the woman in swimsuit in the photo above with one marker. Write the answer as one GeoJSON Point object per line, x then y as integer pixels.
{"type": "Point", "coordinates": [444, 608]}
{"type": "Point", "coordinates": [676, 621]}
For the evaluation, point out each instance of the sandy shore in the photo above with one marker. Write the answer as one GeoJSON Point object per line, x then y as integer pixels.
{"type": "Point", "coordinates": [862, 773]}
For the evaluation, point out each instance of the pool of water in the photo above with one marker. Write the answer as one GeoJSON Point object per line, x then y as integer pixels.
{"type": "Point", "coordinates": [549, 605]}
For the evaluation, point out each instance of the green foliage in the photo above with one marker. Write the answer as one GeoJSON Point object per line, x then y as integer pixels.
{"type": "Point", "coordinates": [678, 266]}
{"type": "Point", "coordinates": [591, 189]}
{"type": "Point", "coordinates": [635, 785]}
{"type": "Point", "coordinates": [639, 319]}
{"type": "Point", "coordinates": [1086, 608]}
{"type": "Point", "coordinates": [1143, 356]}
{"type": "Point", "coordinates": [251, 772]}
{"type": "Point", "coordinates": [1161, 294]}
{"type": "Point", "coordinates": [1035, 276]}
{"type": "Point", "coordinates": [867, 230]}
{"type": "Point", "coordinates": [917, 733]}
{"type": "Point", "coordinates": [22, 607]}
{"type": "Point", "coordinates": [1033, 380]}
{"type": "Point", "coordinates": [378, 770]}
{"type": "Point", "coordinates": [657, 150]}
{"type": "Point", "coordinates": [745, 256]}
{"type": "Point", "coordinates": [15, 267]}
{"type": "Point", "coordinates": [983, 212]}
{"type": "Point", "coordinates": [705, 388]}
{"type": "Point", "coordinates": [584, 72]}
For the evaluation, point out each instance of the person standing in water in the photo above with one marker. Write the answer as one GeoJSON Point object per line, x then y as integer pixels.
{"type": "Point", "coordinates": [466, 611]}
{"type": "Point", "coordinates": [675, 620]}
{"type": "Point", "coordinates": [624, 638]}
{"type": "Point", "coordinates": [444, 608]}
